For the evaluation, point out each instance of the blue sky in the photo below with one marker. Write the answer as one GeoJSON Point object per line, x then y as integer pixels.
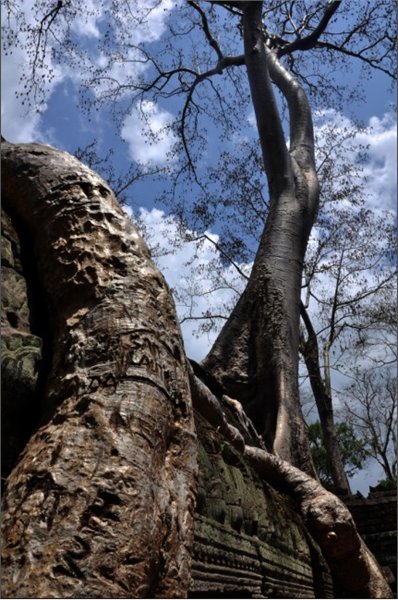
{"type": "Point", "coordinates": [62, 123]}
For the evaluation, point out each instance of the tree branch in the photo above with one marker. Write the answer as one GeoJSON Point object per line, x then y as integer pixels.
{"type": "Point", "coordinates": [348, 52]}
{"type": "Point", "coordinates": [224, 254]}
{"type": "Point", "coordinates": [277, 162]}
{"type": "Point", "coordinates": [301, 127]}
{"type": "Point", "coordinates": [310, 40]}
{"type": "Point", "coordinates": [205, 25]}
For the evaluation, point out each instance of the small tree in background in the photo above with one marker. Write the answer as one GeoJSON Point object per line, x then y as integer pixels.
{"type": "Point", "coordinates": [352, 451]}
{"type": "Point", "coordinates": [370, 407]}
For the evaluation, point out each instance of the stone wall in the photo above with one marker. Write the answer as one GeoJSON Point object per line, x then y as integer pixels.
{"type": "Point", "coordinates": [21, 350]}
{"type": "Point", "coordinates": [249, 540]}
{"type": "Point", "coordinates": [376, 520]}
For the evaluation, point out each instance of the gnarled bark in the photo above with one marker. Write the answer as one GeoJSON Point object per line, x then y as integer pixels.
{"type": "Point", "coordinates": [102, 499]}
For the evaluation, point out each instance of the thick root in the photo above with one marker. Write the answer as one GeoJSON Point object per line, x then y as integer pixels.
{"type": "Point", "coordinates": [329, 521]}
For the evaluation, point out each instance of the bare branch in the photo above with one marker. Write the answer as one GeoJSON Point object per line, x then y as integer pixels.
{"type": "Point", "coordinates": [223, 253]}
{"type": "Point", "coordinates": [309, 42]}
{"type": "Point", "coordinates": [368, 61]}
{"type": "Point", "coordinates": [205, 26]}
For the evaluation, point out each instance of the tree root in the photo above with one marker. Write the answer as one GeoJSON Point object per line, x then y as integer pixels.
{"type": "Point", "coordinates": [330, 523]}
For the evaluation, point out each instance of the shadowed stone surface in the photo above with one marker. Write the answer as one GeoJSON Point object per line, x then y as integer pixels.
{"type": "Point", "coordinates": [21, 352]}
{"type": "Point", "coordinates": [248, 538]}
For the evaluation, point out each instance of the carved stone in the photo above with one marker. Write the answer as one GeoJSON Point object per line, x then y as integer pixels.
{"type": "Point", "coordinates": [249, 540]}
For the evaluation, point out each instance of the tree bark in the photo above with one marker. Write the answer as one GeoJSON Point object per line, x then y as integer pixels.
{"type": "Point", "coordinates": [101, 502]}
{"type": "Point", "coordinates": [256, 354]}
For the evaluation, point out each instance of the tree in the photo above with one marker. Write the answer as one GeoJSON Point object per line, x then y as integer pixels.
{"type": "Point", "coordinates": [102, 498]}
{"type": "Point", "coordinates": [370, 406]}
{"type": "Point", "coordinates": [348, 269]}
{"type": "Point", "coordinates": [258, 346]}
{"type": "Point", "coordinates": [360, 275]}
{"type": "Point", "coordinates": [351, 449]}
{"type": "Point", "coordinates": [376, 339]}
{"type": "Point", "coordinates": [263, 330]}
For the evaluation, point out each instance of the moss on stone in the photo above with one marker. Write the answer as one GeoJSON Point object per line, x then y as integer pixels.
{"type": "Point", "coordinates": [249, 538]}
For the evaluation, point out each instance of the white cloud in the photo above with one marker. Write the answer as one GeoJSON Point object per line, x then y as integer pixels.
{"type": "Point", "coordinates": [381, 168]}
{"type": "Point", "coordinates": [147, 132]}
{"type": "Point", "coordinates": [86, 22]}
{"type": "Point", "coordinates": [193, 269]}
{"type": "Point", "coordinates": [148, 23]}
{"type": "Point", "coordinates": [150, 20]}
{"type": "Point", "coordinates": [123, 62]}
{"type": "Point", "coordinates": [379, 136]}
{"type": "Point", "coordinates": [20, 120]}
{"type": "Point", "coordinates": [19, 124]}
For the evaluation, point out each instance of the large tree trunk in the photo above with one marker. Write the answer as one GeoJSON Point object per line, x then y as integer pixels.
{"type": "Point", "coordinates": [101, 502]}
{"type": "Point", "coordinates": [256, 355]}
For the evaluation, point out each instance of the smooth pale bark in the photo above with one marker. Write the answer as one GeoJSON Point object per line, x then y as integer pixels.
{"type": "Point", "coordinates": [101, 502]}
{"type": "Point", "coordinates": [256, 354]}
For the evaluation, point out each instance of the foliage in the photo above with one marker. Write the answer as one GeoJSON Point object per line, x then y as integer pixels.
{"type": "Point", "coordinates": [352, 450]}
{"type": "Point", "coordinates": [387, 484]}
